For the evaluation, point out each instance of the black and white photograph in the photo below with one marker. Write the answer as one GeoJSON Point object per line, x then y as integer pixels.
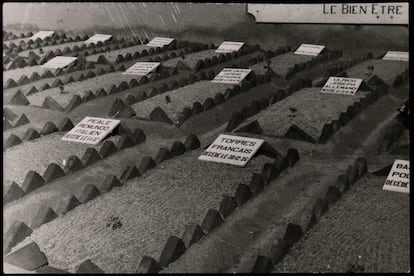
{"type": "Point", "coordinates": [206, 137]}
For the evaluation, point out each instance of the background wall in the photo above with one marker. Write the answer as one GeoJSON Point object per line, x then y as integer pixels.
{"type": "Point", "coordinates": [207, 22]}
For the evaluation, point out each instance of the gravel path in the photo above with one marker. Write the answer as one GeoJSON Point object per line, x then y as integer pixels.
{"type": "Point", "coordinates": [180, 98]}
{"type": "Point", "coordinates": [112, 55]}
{"type": "Point", "coordinates": [386, 70]}
{"type": "Point", "coordinates": [191, 59]}
{"type": "Point", "coordinates": [275, 120]}
{"type": "Point", "coordinates": [51, 48]}
{"type": "Point", "coordinates": [280, 64]}
{"type": "Point", "coordinates": [36, 155]}
{"type": "Point", "coordinates": [76, 88]}
{"type": "Point", "coordinates": [366, 231]}
{"type": "Point", "coordinates": [151, 208]}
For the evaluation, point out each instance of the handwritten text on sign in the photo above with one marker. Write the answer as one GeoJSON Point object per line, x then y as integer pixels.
{"type": "Point", "coordinates": [398, 179]}
{"type": "Point", "coordinates": [345, 86]}
{"type": "Point", "coordinates": [59, 62]}
{"type": "Point", "coordinates": [309, 49]}
{"type": "Point", "coordinates": [337, 13]}
{"type": "Point", "coordinates": [142, 68]}
{"type": "Point", "coordinates": [160, 41]}
{"type": "Point", "coordinates": [234, 150]}
{"type": "Point", "coordinates": [98, 38]}
{"type": "Point", "coordinates": [229, 46]}
{"type": "Point", "coordinates": [231, 75]}
{"type": "Point", "coordinates": [42, 35]}
{"type": "Point", "coordinates": [91, 130]}
{"type": "Point", "coordinates": [396, 55]}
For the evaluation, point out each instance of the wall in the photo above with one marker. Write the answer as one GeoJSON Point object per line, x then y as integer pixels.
{"type": "Point", "coordinates": [207, 22]}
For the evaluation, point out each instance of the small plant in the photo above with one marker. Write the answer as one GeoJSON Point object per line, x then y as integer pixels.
{"type": "Point", "coordinates": [113, 222]}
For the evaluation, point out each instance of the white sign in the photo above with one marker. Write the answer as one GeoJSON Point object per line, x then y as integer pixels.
{"type": "Point", "coordinates": [338, 85]}
{"type": "Point", "coordinates": [229, 46]}
{"type": "Point", "coordinates": [42, 35]}
{"type": "Point", "coordinates": [398, 179]}
{"type": "Point", "coordinates": [98, 38]}
{"type": "Point", "coordinates": [142, 68]}
{"type": "Point", "coordinates": [231, 75]}
{"type": "Point", "coordinates": [229, 149]}
{"type": "Point", "coordinates": [309, 49]}
{"type": "Point", "coordinates": [59, 62]}
{"type": "Point", "coordinates": [160, 41]}
{"type": "Point", "coordinates": [336, 13]}
{"type": "Point", "coordinates": [395, 55]}
{"type": "Point", "coordinates": [91, 130]}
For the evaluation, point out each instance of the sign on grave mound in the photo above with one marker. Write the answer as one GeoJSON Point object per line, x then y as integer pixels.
{"type": "Point", "coordinates": [396, 55]}
{"type": "Point", "coordinates": [98, 38]}
{"type": "Point", "coordinates": [42, 35]}
{"type": "Point", "coordinates": [398, 179]}
{"type": "Point", "coordinates": [160, 42]}
{"type": "Point", "coordinates": [339, 85]}
{"type": "Point", "coordinates": [229, 149]}
{"type": "Point", "coordinates": [59, 62]}
{"type": "Point", "coordinates": [142, 68]}
{"type": "Point", "coordinates": [91, 130]}
{"type": "Point", "coordinates": [309, 49]}
{"type": "Point", "coordinates": [229, 46]}
{"type": "Point", "coordinates": [231, 75]}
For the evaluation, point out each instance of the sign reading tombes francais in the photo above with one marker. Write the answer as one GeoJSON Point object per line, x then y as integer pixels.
{"type": "Point", "coordinates": [42, 35]}
{"type": "Point", "coordinates": [398, 179]}
{"type": "Point", "coordinates": [229, 149]}
{"type": "Point", "coordinates": [396, 55]}
{"type": "Point", "coordinates": [91, 130]}
{"type": "Point", "coordinates": [344, 86]}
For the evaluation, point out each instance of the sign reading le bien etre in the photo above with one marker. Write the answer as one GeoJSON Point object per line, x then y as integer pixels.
{"type": "Point", "coordinates": [91, 130]}
{"type": "Point", "coordinates": [229, 149]}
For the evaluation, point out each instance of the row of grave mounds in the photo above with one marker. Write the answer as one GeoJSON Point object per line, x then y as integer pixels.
{"type": "Point", "coordinates": [9, 35]}
{"type": "Point", "coordinates": [309, 115]}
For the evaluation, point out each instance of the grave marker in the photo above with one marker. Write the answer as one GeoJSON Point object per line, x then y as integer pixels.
{"type": "Point", "coordinates": [231, 75]}
{"type": "Point", "coordinates": [229, 149]}
{"type": "Point", "coordinates": [59, 62]}
{"type": "Point", "coordinates": [229, 46]}
{"type": "Point", "coordinates": [98, 38]}
{"type": "Point", "coordinates": [42, 35]}
{"type": "Point", "coordinates": [339, 85]}
{"type": "Point", "coordinates": [396, 55]}
{"type": "Point", "coordinates": [398, 179]}
{"type": "Point", "coordinates": [91, 130]}
{"type": "Point", "coordinates": [160, 41]}
{"type": "Point", "coordinates": [142, 68]}
{"type": "Point", "coordinates": [309, 49]}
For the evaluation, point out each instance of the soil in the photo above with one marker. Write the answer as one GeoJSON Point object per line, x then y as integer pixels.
{"type": "Point", "coordinates": [180, 98]}
{"type": "Point", "coordinates": [112, 55]}
{"type": "Point", "coordinates": [191, 59]}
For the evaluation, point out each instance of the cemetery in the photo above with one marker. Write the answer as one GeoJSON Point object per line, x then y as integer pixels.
{"type": "Point", "coordinates": [205, 138]}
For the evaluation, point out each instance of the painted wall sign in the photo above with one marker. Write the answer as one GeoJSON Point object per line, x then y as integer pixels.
{"type": "Point", "coordinates": [231, 75]}
{"type": "Point", "coordinates": [91, 130]}
{"type": "Point", "coordinates": [160, 42]}
{"type": "Point", "coordinates": [229, 46]}
{"type": "Point", "coordinates": [59, 62]}
{"type": "Point", "coordinates": [229, 149]}
{"type": "Point", "coordinates": [42, 35]}
{"type": "Point", "coordinates": [396, 55]}
{"type": "Point", "coordinates": [98, 38]}
{"type": "Point", "coordinates": [309, 49]}
{"type": "Point", "coordinates": [344, 86]}
{"type": "Point", "coordinates": [335, 13]}
{"type": "Point", "coordinates": [398, 179]}
{"type": "Point", "coordinates": [142, 68]}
